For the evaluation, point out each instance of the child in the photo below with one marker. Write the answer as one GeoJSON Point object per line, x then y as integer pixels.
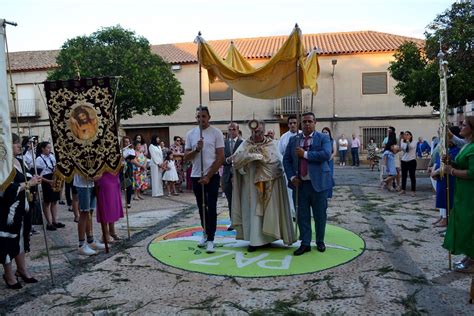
{"type": "Point", "coordinates": [128, 176]}
{"type": "Point", "coordinates": [390, 172]}
{"type": "Point", "coordinates": [170, 174]}
{"type": "Point", "coordinates": [87, 204]}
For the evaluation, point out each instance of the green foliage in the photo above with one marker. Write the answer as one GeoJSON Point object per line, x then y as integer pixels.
{"type": "Point", "coordinates": [147, 86]}
{"type": "Point", "coordinates": [416, 70]}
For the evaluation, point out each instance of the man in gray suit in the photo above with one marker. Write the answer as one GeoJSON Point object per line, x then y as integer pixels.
{"type": "Point", "coordinates": [231, 144]}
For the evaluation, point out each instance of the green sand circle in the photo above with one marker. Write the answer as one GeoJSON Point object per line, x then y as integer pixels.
{"type": "Point", "coordinates": [232, 258]}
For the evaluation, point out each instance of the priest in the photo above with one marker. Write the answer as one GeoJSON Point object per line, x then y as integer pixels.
{"type": "Point", "coordinates": [260, 206]}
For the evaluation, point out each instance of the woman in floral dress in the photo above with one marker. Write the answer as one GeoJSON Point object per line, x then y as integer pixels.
{"type": "Point", "coordinates": [372, 153]}
{"type": "Point", "coordinates": [139, 172]}
{"type": "Point", "coordinates": [178, 153]}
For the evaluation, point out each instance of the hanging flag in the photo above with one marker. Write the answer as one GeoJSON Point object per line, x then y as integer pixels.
{"type": "Point", "coordinates": [7, 171]}
{"type": "Point", "coordinates": [83, 127]}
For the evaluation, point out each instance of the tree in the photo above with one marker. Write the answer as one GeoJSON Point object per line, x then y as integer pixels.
{"type": "Point", "coordinates": [147, 86]}
{"type": "Point", "coordinates": [416, 69]}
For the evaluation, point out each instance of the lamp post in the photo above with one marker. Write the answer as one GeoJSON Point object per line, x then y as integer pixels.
{"type": "Point", "coordinates": [334, 115]}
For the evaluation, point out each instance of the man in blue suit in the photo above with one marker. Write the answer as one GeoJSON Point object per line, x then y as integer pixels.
{"type": "Point", "coordinates": [306, 163]}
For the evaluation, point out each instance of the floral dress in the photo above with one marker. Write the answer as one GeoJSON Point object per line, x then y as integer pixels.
{"type": "Point", "coordinates": [178, 149]}
{"type": "Point", "coordinates": [371, 148]}
{"type": "Point", "coordinates": [139, 175]}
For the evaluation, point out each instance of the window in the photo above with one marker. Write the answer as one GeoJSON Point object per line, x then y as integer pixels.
{"type": "Point", "coordinates": [26, 102]}
{"type": "Point", "coordinates": [374, 83]}
{"type": "Point", "coordinates": [377, 133]}
{"type": "Point", "coordinates": [219, 90]}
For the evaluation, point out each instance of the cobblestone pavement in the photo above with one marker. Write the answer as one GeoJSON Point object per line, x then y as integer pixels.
{"type": "Point", "coordinates": [403, 269]}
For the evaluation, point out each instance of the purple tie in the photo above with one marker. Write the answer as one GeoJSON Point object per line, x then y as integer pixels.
{"type": "Point", "coordinates": [304, 162]}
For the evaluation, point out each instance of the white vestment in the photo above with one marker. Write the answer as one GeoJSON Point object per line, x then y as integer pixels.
{"type": "Point", "coordinates": [260, 206]}
{"type": "Point", "coordinates": [284, 139]}
{"type": "Point", "coordinates": [156, 177]}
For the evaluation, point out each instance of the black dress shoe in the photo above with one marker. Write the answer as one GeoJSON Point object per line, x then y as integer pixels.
{"type": "Point", "coordinates": [251, 248]}
{"type": "Point", "coordinates": [301, 250]}
{"type": "Point", "coordinates": [59, 225]}
{"type": "Point", "coordinates": [15, 286]}
{"type": "Point", "coordinates": [25, 279]}
{"type": "Point", "coordinates": [50, 227]}
{"type": "Point", "coordinates": [321, 246]}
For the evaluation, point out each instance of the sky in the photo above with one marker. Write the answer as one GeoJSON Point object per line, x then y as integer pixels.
{"type": "Point", "coordinates": [47, 24]}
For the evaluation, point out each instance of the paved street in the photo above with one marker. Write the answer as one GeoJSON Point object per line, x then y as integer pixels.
{"type": "Point", "coordinates": [402, 270]}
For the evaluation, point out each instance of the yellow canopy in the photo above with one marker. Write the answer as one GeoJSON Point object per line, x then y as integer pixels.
{"type": "Point", "coordinates": [273, 80]}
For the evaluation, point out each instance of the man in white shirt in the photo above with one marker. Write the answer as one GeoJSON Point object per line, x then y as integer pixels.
{"type": "Point", "coordinates": [282, 144]}
{"type": "Point", "coordinates": [292, 131]}
{"type": "Point", "coordinates": [207, 155]}
{"type": "Point", "coordinates": [343, 143]}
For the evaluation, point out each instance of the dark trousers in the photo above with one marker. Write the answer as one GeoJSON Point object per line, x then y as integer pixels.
{"type": "Point", "coordinates": [228, 195]}
{"type": "Point", "coordinates": [342, 156]}
{"type": "Point", "coordinates": [211, 192]}
{"type": "Point", "coordinates": [355, 156]}
{"type": "Point", "coordinates": [309, 200]}
{"type": "Point", "coordinates": [409, 167]}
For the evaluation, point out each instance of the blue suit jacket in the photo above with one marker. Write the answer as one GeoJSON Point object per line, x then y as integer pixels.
{"type": "Point", "coordinates": [319, 153]}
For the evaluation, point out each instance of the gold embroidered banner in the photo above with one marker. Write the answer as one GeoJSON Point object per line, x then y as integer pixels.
{"type": "Point", "coordinates": [83, 127]}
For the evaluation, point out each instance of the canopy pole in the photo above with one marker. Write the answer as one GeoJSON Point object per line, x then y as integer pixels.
{"type": "Point", "coordinates": [231, 105]}
{"type": "Point", "coordinates": [298, 122]}
{"type": "Point", "coordinates": [203, 195]}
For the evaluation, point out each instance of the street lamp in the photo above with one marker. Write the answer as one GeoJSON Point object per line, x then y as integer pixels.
{"type": "Point", "coordinates": [334, 115]}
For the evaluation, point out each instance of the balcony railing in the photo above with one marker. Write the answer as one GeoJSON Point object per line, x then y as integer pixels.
{"type": "Point", "coordinates": [25, 108]}
{"type": "Point", "coordinates": [289, 105]}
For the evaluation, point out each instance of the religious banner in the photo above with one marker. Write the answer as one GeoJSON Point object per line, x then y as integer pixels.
{"type": "Point", "coordinates": [7, 172]}
{"type": "Point", "coordinates": [83, 127]}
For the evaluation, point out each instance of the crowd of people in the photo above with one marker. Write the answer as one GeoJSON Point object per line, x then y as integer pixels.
{"type": "Point", "coordinates": [453, 183]}
{"type": "Point", "coordinates": [258, 176]}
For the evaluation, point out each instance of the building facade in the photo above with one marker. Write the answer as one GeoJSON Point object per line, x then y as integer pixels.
{"type": "Point", "coordinates": [355, 96]}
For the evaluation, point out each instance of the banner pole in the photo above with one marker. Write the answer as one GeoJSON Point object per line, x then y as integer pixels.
{"type": "Point", "coordinates": [443, 104]}
{"type": "Point", "coordinates": [117, 120]}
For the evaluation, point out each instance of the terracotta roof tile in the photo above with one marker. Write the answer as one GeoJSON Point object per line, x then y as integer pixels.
{"type": "Point", "coordinates": [265, 47]}
{"type": "Point", "coordinates": [33, 60]}
{"type": "Point", "coordinates": [251, 48]}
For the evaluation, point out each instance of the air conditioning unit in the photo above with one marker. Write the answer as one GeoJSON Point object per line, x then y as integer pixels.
{"type": "Point", "coordinates": [175, 67]}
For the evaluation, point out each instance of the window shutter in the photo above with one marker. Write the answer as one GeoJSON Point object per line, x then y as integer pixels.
{"type": "Point", "coordinates": [374, 83]}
